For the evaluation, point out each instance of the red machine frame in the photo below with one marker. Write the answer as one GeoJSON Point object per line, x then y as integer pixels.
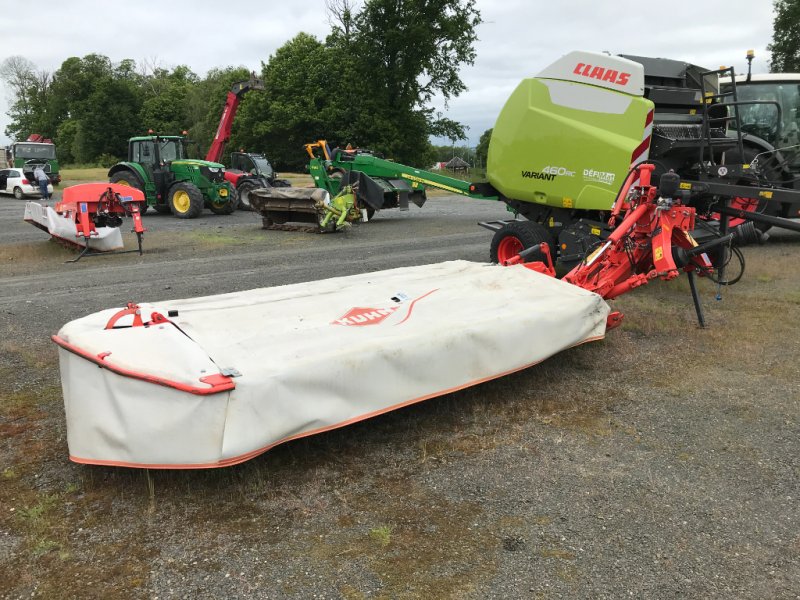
{"type": "Point", "coordinates": [93, 205]}
{"type": "Point", "coordinates": [651, 242]}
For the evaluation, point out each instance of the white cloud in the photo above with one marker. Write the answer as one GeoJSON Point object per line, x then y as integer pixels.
{"type": "Point", "coordinates": [517, 39]}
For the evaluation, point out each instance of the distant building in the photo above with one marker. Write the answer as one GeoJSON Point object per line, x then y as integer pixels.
{"type": "Point", "coordinates": [457, 164]}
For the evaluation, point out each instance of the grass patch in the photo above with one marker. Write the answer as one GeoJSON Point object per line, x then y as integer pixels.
{"type": "Point", "coordinates": [381, 535]}
{"type": "Point", "coordinates": [77, 175]}
{"type": "Point", "coordinates": [18, 259]}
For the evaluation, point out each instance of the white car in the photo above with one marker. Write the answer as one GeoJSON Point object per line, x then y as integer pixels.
{"type": "Point", "coordinates": [14, 181]}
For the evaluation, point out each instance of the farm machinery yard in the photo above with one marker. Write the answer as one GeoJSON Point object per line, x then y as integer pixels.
{"type": "Point", "coordinates": [205, 353]}
{"type": "Point", "coordinates": [674, 445]}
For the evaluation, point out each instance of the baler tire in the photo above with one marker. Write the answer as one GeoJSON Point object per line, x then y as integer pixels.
{"type": "Point", "coordinates": [189, 200]}
{"type": "Point", "coordinates": [516, 236]}
{"type": "Point", "coordinates": [228, 207]}
{"type": "Point", "coordinates": [244, 195]}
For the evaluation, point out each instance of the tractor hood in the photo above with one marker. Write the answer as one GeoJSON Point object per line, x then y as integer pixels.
{"type": "Point", "coordinates": [198, 163]}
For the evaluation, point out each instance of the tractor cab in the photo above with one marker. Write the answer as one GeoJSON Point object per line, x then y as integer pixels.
{"type": "Point", "coordinates": [155, 155]}
{"type": "Point", "coordinates": [771, 112]}
{"type": "Point", "coordinates": [253, 164]}
{"type": "Point", "coordinates": [156, 150]}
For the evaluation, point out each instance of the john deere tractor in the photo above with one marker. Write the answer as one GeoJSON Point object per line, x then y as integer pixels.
{"type": "Point", "coordinates": [172, 183]}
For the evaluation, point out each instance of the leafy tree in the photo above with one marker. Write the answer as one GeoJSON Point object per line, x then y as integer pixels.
{"type": "Point", "coordinates": [164, 95]}
{"type": "Point", "coordinates": [103, 101]}
{"type": "Point", "coordinates": [65, 139]}
{"type": "Point", "coordinates": [29, 95]}
{"type": "Point", "coordinates": [300, 103]}
{"type": "Point", "coordinates": [785, 46]}
{"type": "Point", "coordinates": [396, 57]}
{"type": "Point", "coordinates": [482, 149]}
{"type": "Point", "coordinates": [205, 101]}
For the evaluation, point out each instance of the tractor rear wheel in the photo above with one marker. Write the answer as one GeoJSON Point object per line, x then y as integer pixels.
{"type": "Point", "coordinates": [227, 205]}
{"type": "Point", "coordinates": [516, 236]}
{"type": "Point", "coordinates": [128, 178]}
{"type": "Point", "coordinates": [185, 200]}
{"type": "Point", "coordinates": [244, 194]}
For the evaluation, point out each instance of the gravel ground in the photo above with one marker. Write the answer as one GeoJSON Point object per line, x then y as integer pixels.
{"type": "Point", "coordinates": [661, 462]}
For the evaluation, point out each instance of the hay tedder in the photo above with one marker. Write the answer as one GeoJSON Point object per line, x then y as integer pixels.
{"type": "Point", "coordinates": [214, 381]}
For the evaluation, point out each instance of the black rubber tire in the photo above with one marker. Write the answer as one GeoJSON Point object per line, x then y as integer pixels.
{"type": "Point", "coordinates": [524, 234]}
{"type": "Point", "coordinates": [162, 209]}
{"type": "Point", "coordinates": [228, 207]}
{"type": "Point", "coordinates": [130, 178]}
{"type": "Point", "coordinates": [244, 194]}
{"type": "Point", "coordinates": [195, 200]}
{"type": "Point", "coordinates": [18, 193]}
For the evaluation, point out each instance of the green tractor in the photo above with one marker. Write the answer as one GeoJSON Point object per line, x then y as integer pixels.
{"type": "Point", "coordinates": [172, 183]}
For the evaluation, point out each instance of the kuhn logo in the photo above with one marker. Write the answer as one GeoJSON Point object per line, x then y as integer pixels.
{"type": "Point", "coordinates": [602, 74]}
{"type": "Point", "coordinates": [365, 316]}
{"type": "Point", "coordinates": [360, 315]}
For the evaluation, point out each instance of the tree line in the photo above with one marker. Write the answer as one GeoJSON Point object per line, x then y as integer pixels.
{"type": "Point", "coordinates": [370, 83]}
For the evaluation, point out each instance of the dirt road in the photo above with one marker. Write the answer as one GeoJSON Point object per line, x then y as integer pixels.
{"type": "Point", "coordinates": [659, 463]}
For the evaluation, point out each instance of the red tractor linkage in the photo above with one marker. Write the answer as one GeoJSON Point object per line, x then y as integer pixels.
{"type": "Point", "coordinates": [653, 241]}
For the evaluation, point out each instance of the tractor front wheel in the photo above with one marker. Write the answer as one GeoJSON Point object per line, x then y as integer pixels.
{"type": "Point", "coordinates": [516, 236]}
{"type": "Point", "coordinates": [185, 200]}
{"type": "Point", "coordinates": [129, 179]}
{"type": "Point", "coordinates": [227, 205]}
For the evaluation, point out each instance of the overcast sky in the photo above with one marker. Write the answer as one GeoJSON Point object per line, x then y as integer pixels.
{"type": "Point", "coordinates": [517, 39]}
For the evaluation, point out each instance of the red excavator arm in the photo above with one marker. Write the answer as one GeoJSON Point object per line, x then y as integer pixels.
{"type": "Point", "coordinates": [238, 89]}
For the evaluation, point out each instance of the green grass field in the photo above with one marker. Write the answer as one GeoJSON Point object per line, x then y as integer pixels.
{"type": "Point", "coordinates": [77, 175]}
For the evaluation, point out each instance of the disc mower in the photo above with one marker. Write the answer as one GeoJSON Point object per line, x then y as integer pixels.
{"type": "Point", "coordinates": [89, 216]}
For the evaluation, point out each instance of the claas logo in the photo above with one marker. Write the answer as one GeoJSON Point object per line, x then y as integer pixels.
{"type": "Point", "coordinates": [602, 74]}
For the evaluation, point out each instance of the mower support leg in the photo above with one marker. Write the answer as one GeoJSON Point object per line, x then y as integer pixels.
{"type": "Point", "coordinates": [698, 307]}
{"type": "Point", "coordinates": [83, 253]}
